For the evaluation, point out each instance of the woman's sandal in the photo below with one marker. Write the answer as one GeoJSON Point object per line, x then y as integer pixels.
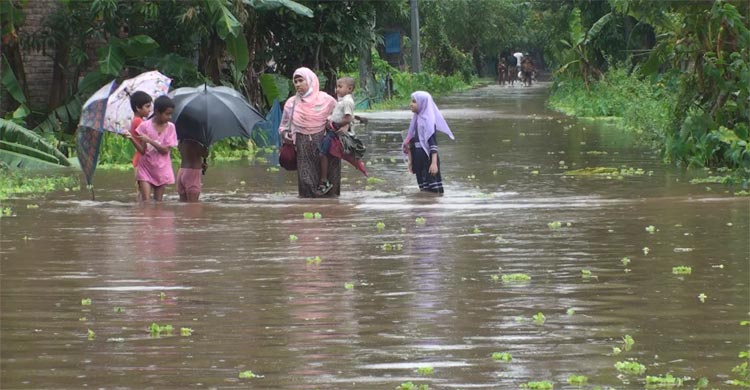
{"type": "Point", "coordinates": [324, 188]}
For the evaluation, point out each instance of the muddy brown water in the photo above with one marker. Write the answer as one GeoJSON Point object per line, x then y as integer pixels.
{"type": "Point", "coordinates": [228, 269]}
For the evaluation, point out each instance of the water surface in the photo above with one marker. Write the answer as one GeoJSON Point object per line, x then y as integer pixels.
{"type": "Point", "coordinates": [227, 269]}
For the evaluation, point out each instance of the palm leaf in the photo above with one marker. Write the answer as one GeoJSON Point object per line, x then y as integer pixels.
{"type": "Point", "coordinates": [11, 84]}
{"type": "Point", "coordinates": [274, 87]}
{"type": "Point", "coordinates": [18, 140]}
{"type": "Point", "coordinates": [22, 161]}
{"type": "Point", "coordinates": [263, 5]}
{"type": "Point", "coordinates": [597, 27]}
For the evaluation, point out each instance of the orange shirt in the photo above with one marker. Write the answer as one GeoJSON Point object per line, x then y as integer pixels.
{"type": "Point", "coordinates": [133, 126]}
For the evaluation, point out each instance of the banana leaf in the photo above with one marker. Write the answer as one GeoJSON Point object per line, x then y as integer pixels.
{"type": "Point", "coordinates": [24, 139]}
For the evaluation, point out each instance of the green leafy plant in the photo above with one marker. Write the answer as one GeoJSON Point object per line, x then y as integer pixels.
{"type": "Point", "coordinates": [157, 330]}
{"type": "Point", "coordinates": [420, 221]}
{"type": "Point", "coordinates": [625, 261]}
{"type": "Point", "coordinates": [628, 342]}
{"type": "Point", "coordinates": [586, 274]}
{"type": "Point", "coordinates": [578, 380]}
{"type": "Point", "coordinates": [90, 334]}
{"type": "Point", "coordinates": [247, 375]}
{"type": "Point", "coordinates": [185, 332]}
{"type": "Point", "coordinates": [515, 278]}
{"type": "Point", "coordinates": [292, 238]}
{"type": "Point", "coordinates": [425, 370]}
{"type": "Point", "coordinates": [412, 386]}
{"type": "Point", "coordinates": [538, 385]}
{"type": "Point", "coordinates": [650, 228]}
{"type": "Point", "coordinates": [86, 301]}
{"type": "Point", "coordinates": [702, 297]}
{"type": "Point", "coordinates": [682, 270]}
{"type": "Point", "coordinates": [380, 226]}
{"type": "Point", "coordinates": [349, 286]}
{"type": "Point", "coordinates": [630, 367]}
{"type": "Point", "coordinates": [314, 260]}
{"type": "Point", "coordinates": [554, 225]}
{"type": "Point", "coordinates": [502, 357]}
{"type": "Point", "coordinates": [539, 318]}
{"type": "Point", "coordinates": [667, 381]}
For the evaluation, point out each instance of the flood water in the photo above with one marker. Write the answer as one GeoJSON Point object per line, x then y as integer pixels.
{"type": "Point", "coordinates": [382, 303]}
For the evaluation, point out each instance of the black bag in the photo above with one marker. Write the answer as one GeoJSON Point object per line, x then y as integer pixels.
{"type": "Point", "coordinates": [352, 145]}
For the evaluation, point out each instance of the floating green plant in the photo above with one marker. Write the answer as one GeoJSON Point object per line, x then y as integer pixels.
{"type": "Point", "coordinates": [157, 330]}
{"type": "Point", "coordinates": [412, 386]}
{"type": "Point", "coordinates": [554, 224]}
{"type": "Point", "coordinates": [628, 342]}
{"type": "Point", "coordinates": [86, 302]}
{"type": "Point", "coordinates": [162, 295]}
{"type": "Point", "coordinates": [115, 340]}
{"type": "Point", "coordinates": [538, 385]}
{"type": "Point", "coordinates": [374, 180]}
{"type": "Point", "coordinates": [118, 309]}
{"type": "Point", "coordinates": [83, 319]}
{"type": "Point", "coordinates": [318, 215]}
{"type": "Point", "coordinates": [578, 380]}
{"type": "Point", "coordinates": [646, 250]}
{"type": "Point", "coordinates": [314, 260]}
{"type": "Point", "coordinates": [682, 270]}
{"type": "Point", "coordinates": [702, 297]}
{"type": "Point", "coordinates": [476, 230]}
{"type": "Point", "coordinates": [396, 246]}
{"type": "Point", "coordinates": [247, 375]}
{"type": "Point", "coordinates": [539, 318]}
{"type": "Point", "coordinates": [6, 212]}
{"type": "Point", "coordinates": [349, 286]}
{"type": "Point", "coordinates": [380, 226]}
{"type": "Point", "coordinates": [32, 206]}
{"type": "Point", "coordinates": [744, 323]}
{"type": "Point", "coordinates": [662, 381]}
{"type": "Point", "coordinates": [515, 278]}
{"type": "Point", "coordinates": [570, 312]}
{"type": "Point", "coordinates": [272, 169]}
{"type": "Point", "coordinates": [616, 351]}
{"type": "Point", "coordinates": [185, 332]}
{"type": "Point", "coordinates": [630, 367]}
{"type": "Point", "coordinates": [495, 278]}
{"type": "Point", "coordinates": [650, 228]}
{"type": "Point", "coordinates": [625, 261]}
{"type": "Point", "coordinates": [420, 221]}
{"type": "Point", "coordinates": [502, 356]}
{"type": "Point", "coordinates": [90, 334]}
{"type": "Point", "coordinates": [308, 215]}
{"type": "Point", "coordinates": [425, 371]}
{"type": "Point", "coordinates": [293, 238]}
{"type": "Point", "coordinates": [586, 274]}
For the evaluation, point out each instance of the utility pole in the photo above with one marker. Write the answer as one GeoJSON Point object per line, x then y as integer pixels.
{"type": "Point", "coordinates": [416, 61]}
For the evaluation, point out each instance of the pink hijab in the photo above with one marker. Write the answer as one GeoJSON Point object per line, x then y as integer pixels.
{"type": "Point", "coordinates": [425, 121]}
{"type": "Point", "coordinates": [311, 109]}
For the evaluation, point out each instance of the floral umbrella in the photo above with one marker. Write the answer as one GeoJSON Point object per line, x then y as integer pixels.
{"type": "Point", "coordinates": [119, 114]}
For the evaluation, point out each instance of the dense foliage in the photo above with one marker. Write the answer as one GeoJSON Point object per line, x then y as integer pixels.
{"type": "Point", "coordinates": [688, 62]}
{"type": "Point", "coordinates": [677, 69]}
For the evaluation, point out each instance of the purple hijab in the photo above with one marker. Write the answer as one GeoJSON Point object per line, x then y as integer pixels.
{"type": "Point", "coordinates": [425, 121]}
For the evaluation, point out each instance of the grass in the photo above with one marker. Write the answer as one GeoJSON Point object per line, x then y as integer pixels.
{"type": "Point", "coordinates": [538, 385]}
{"type": "Point", "coordinates": [15, 184]}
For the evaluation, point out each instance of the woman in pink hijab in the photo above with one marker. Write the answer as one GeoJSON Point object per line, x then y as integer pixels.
{"type": "Point", "coordinates": [303, 124]}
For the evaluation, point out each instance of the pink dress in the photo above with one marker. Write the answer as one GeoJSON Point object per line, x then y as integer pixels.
{"type": "Point", "coordinates": [154, 167]}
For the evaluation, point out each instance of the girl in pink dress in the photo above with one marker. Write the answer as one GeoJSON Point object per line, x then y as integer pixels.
{"type": "Point", "coordinates": [158, 136]}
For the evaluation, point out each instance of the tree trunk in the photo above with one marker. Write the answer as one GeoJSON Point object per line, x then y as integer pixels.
{"type": "Point", "coordinates": [59, 85]}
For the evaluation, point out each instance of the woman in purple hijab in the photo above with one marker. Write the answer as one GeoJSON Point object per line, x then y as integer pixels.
{"type": "Point", "coordinates": [420, 144]}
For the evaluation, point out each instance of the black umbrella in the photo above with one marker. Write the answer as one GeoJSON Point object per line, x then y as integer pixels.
{"type": "Point", "coordinates": [207, 114]}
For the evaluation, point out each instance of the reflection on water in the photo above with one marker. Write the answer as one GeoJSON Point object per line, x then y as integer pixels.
{"type": "Point", "coordinates": [421, 294]}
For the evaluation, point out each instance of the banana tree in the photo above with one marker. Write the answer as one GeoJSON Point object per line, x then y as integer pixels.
{"type": "Point", "coordinates": [23, 148]}
{"type": "Point", "coordinates": [577, 50]}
